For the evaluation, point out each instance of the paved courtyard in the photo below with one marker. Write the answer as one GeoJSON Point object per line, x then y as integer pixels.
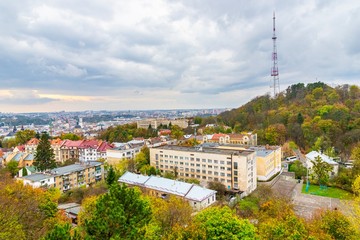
{"type": "Point", "coordinates": [305, 205]}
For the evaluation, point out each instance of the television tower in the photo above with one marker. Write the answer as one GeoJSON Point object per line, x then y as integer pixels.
{"type": "Point", "coordinates": [274, 69]}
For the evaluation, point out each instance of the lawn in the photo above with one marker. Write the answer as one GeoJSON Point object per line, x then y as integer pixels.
{"type": "Point", "coordinates": [329, 192]}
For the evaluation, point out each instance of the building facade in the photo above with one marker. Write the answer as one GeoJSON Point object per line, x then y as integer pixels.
{"type": "Point", "coordinates": [235, 169]}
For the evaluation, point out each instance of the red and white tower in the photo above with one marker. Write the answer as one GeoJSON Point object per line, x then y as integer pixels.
{"type": "Point", "coordinates": [274, 69]}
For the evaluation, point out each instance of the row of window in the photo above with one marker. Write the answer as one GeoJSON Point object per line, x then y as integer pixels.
{"type": "Point", "coordinates": [192, 159]}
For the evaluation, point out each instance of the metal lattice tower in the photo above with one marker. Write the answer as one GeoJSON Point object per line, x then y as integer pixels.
{"type": "Point", "coordinates": [274, 69]}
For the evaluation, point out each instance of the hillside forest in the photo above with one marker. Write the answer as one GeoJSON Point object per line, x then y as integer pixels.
{"type": "Point", "coordinates": [314, 116]}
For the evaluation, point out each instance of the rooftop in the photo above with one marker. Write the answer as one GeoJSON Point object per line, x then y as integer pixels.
{"type": "Point", "coordinates": [183, 189]}
{"type": "Point", "coordinates": [38, 177]}
{"type": "Point", "coordinates": [74, 168]}
{"type": "Point", "coordinates": [242, 152]}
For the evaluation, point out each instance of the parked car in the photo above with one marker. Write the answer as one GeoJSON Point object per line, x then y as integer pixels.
{"type": "Point", "coordinates": [291, 159]}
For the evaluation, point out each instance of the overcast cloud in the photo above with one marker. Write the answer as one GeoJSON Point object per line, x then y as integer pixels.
{"type": "Point", "coordinates": [123, 55]}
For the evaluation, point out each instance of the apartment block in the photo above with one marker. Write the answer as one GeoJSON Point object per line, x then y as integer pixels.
{"type": "Point", "coordinates": [68, 177]}
{"type": "Point", "coordinates": [236, 169]}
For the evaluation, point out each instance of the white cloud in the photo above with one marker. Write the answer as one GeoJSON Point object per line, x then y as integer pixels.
{"type": "Point", "coordinates": [159, 54]}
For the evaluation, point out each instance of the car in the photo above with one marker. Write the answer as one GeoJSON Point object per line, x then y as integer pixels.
{"type": "Point", "coordinates": [291, 159]}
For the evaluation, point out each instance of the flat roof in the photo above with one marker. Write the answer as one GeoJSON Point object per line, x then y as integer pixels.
{"type": "Point", "coordinates": [242, 152]}
{"type": "Point", "coordinates": [37, 177]}
{"type": "Point", "coordinates": [74, 168]}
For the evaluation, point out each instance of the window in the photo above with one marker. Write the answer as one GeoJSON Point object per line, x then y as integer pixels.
{"type": "Point", "coordinates": [192, 159]}
{"type": "Point", "coordinates": [209, 161]}
{"type": "Point", "coordinates": [222, 162]}
{"type": "Point", "coordinates": [216, 161]}
{"type": "Point", "coordinates": [228, 162]}
{"type": "Point", "coordinates": [203, 160]}
{"type": "Point", "coordinates": [198, 159]}
{"type": "Point", "coordinates": [235, 165]}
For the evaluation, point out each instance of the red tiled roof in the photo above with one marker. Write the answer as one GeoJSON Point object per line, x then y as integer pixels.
{"type": "Point", "coordinates": [89, 144]}
{"type": "Point", "coordinates": [217, 136]}
{"type": "Point", "coordinates": [33, 141]}
{"type": "Point", "coordinates": [103, 146]}
{"type": "Point", "coordinates": [70, 143]}
{"type": "Point", "coordinates": [236, 136]}
{"type": "Point", "coordinates": [57, 141]}
{"type": "Point", "coordinates": [21, 148]}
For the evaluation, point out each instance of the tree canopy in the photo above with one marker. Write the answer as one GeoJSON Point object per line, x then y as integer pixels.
{"type": "Point", "coordinates": [44, 156]}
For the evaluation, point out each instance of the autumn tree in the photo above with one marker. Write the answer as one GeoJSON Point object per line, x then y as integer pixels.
{"type": "Point", "coordinates": [119, 214]}
{"type": "Point", "coordinates": [44, 156]}
{"type": "Point", "coordinates": [321, 170]}
{"type": "Point", "coordinates": [168, 214]}
{"type": "Point", "coordinates": [28, 211]}
{"type": "Point", "coordinates": [23, 136]}
{"type": "Point", "coordinates": [335, 224]}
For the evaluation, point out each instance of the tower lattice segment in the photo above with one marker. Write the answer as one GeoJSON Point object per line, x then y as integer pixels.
{"type": "Point", "coordinates": [275, 69]}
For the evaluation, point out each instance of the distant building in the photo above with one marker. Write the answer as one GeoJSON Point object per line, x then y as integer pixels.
{"type": "Point", "coordinates": [155, 123]}
{"type": "Point", "coordinates": [248, 139]}
{"type": "Point", "coordinates": [198, 197]}
{"type": "Point", "coordinates": [123, 151]}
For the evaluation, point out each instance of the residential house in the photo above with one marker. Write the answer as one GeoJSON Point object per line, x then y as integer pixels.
{"type": "Point", "coordinates": [56, 146]}
{"type": "Point", "coordinates": [314, 154]}
{"type": "Point", "coordinates": [93, 150]}
{"type": "Point", "coordinates": [31, 145]}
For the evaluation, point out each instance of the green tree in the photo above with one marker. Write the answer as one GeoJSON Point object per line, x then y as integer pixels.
{"type": "Point", "coordinates": [111, 176]}
{"type": "Point", "coordinates": [218, 187]}
{"type": "Point", "coordinates": [119, 214]}
{"type": "Point", "coordinates": [321, 170]}
{"type": "Point", "coordinates": [44, 156]}
{"type": "Point", "coordinates": [12, 167]}
{"type": "Point", "coordinates": [70, 136]}
{"type": "Point", "coordinates": [298, 168]}
{"type": "Point", "coordinates": [222, 223]}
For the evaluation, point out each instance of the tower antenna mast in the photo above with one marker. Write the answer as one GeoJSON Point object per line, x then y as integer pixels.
{"type": "Point", "coordinates": [274, 69]}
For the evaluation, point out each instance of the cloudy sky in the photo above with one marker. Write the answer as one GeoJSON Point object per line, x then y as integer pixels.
{"type": "Point", "coordinates": [126, 55]}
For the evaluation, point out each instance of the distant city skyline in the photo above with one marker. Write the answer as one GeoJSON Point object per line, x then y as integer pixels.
{"type": "Point", "coordinates": [139, 55]}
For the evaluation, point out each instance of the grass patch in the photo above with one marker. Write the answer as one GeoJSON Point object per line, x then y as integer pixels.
{"type": "Point", "coordinates": [329, 192]}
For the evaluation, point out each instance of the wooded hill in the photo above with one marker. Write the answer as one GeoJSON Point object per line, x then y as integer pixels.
{"type": "Point", "coordinates": [313, 116]}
